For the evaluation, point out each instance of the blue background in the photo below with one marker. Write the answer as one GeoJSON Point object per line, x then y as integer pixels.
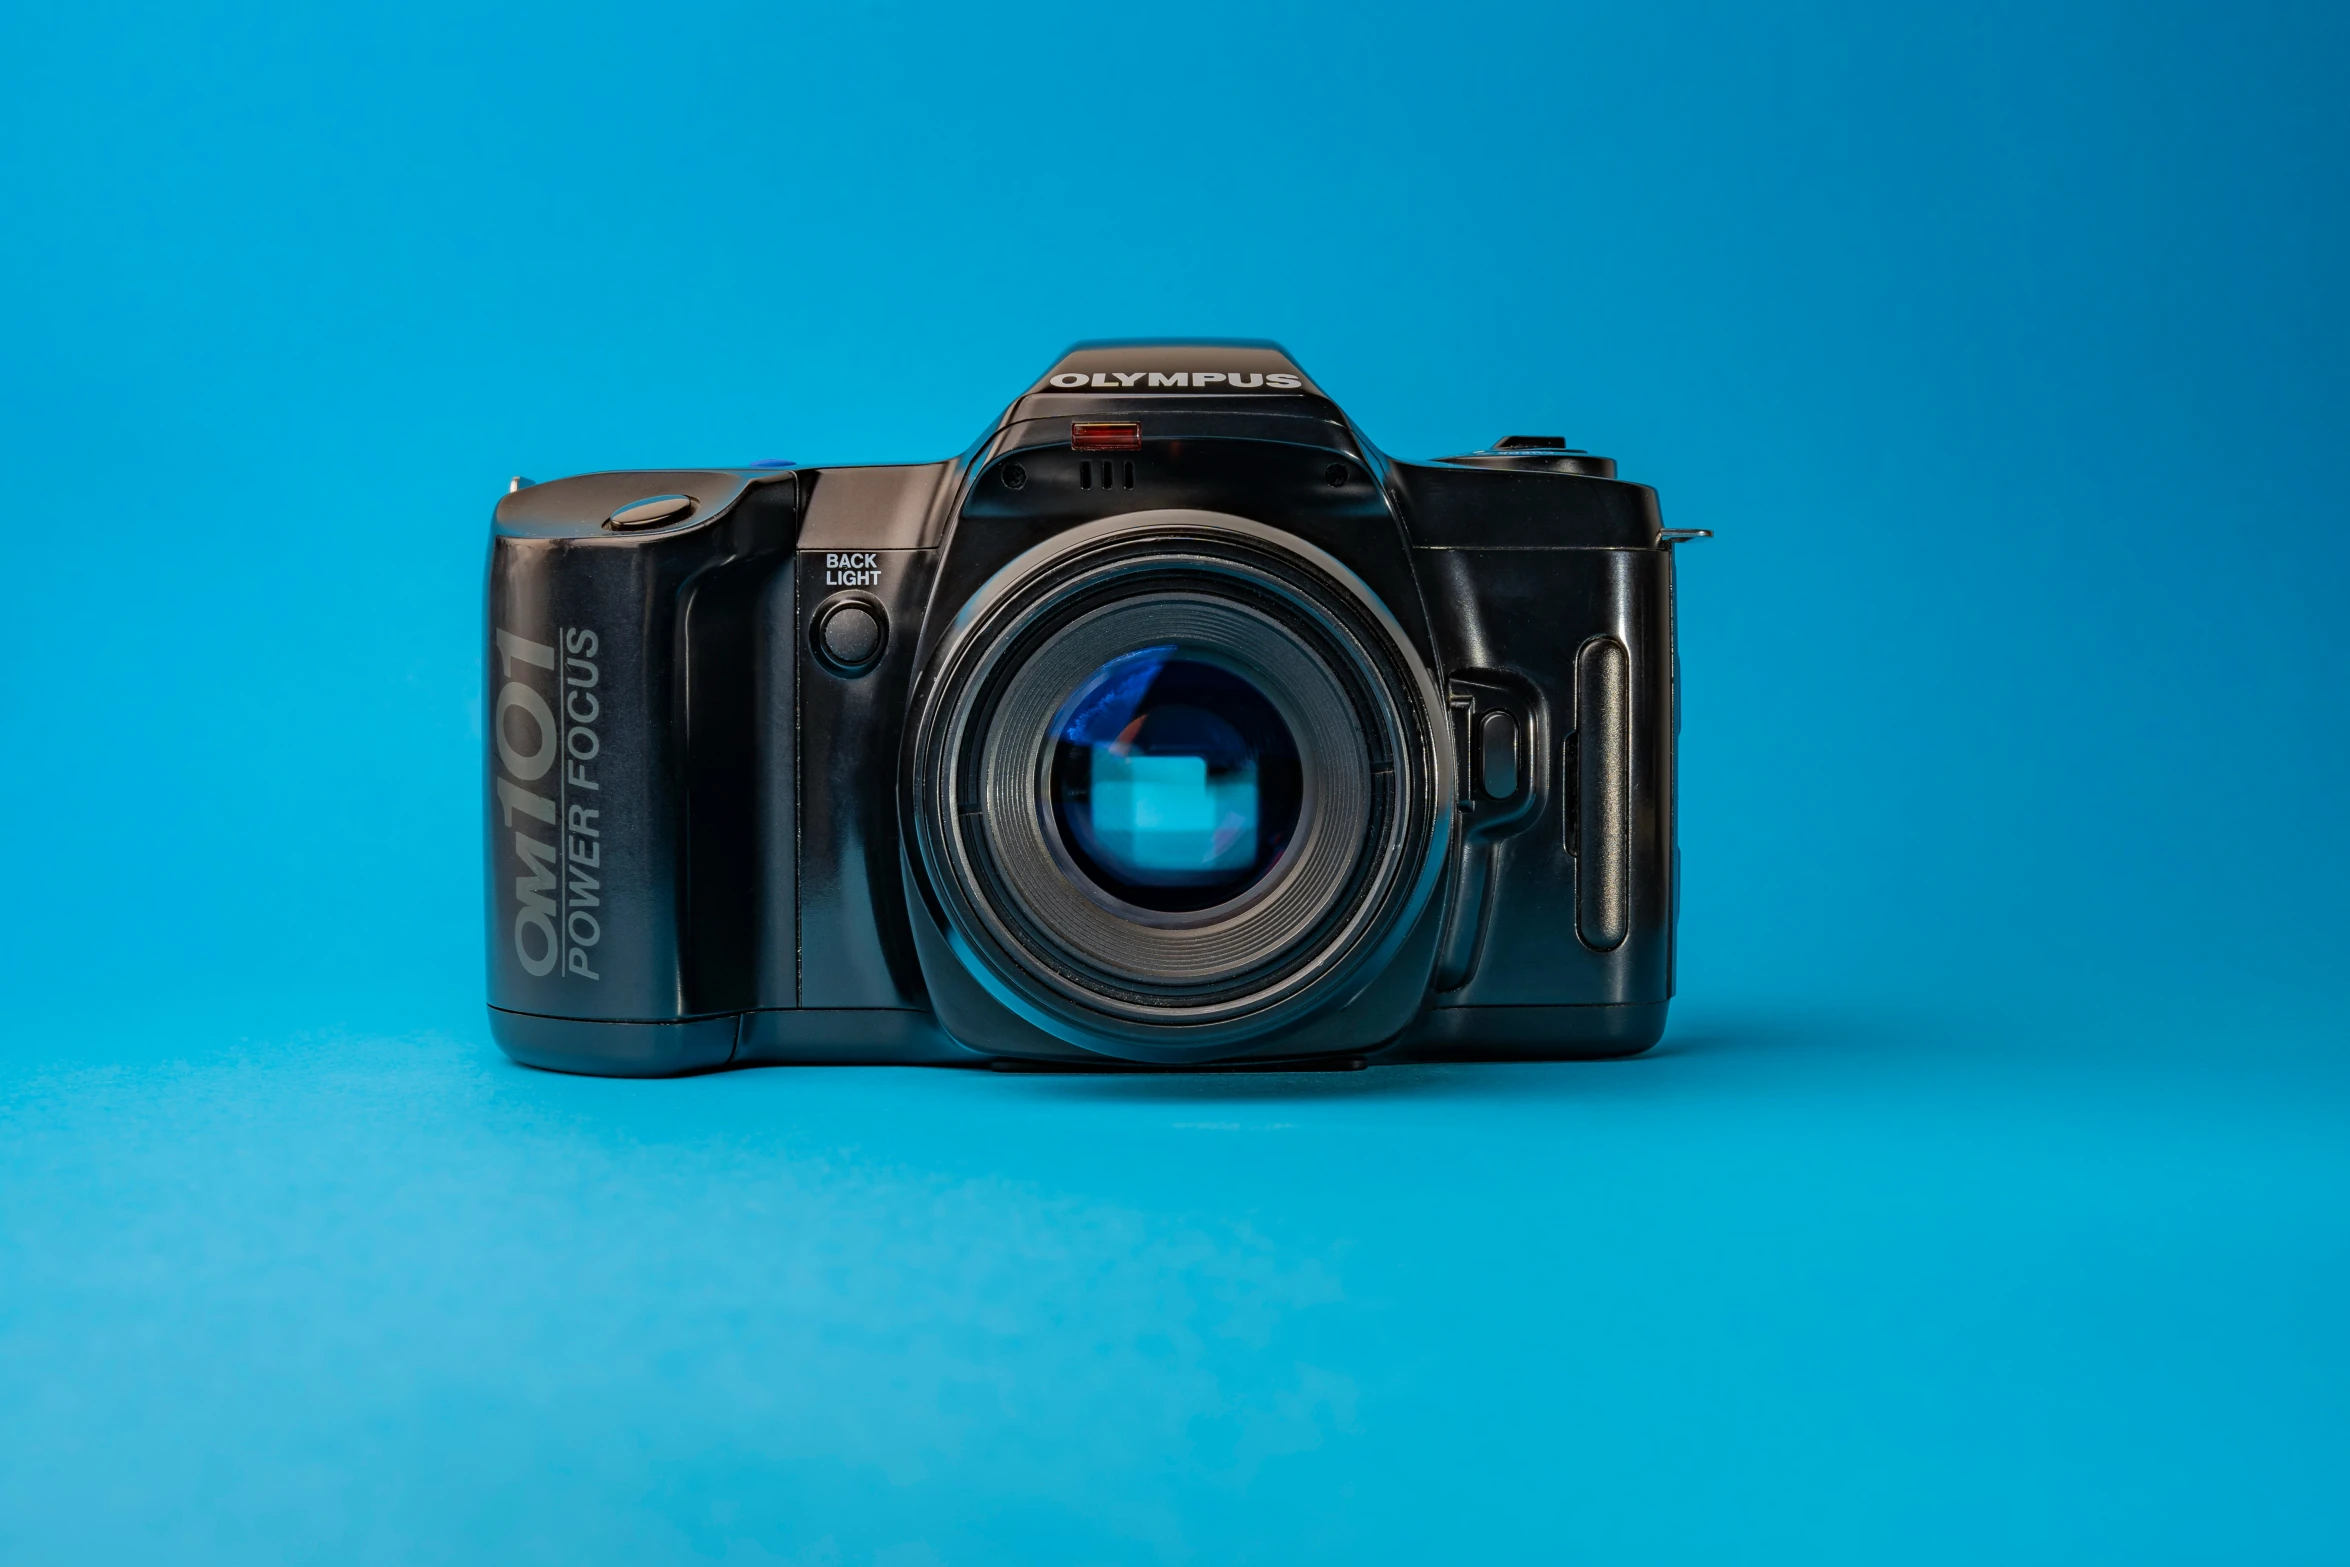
{"type": "Point", "coordinates": [1989, 1198]}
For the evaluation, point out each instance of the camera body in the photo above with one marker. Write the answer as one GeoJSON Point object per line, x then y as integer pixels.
{"type": "Point", "coordinates": [1172, 724]}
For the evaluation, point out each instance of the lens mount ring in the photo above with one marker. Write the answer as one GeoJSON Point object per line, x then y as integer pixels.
{"type": "Point", "coordinates": [1318, 924]}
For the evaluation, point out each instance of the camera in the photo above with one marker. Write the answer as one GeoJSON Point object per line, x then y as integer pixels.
{"type": "Point", "coordinates": [1171, 725]}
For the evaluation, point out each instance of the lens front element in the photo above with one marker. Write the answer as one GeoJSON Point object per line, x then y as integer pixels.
{"type": "Point", "coordinates": [1175, 782]}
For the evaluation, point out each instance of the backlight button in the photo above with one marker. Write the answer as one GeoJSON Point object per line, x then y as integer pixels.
{"type": "Point", "coordinates": [850, 635]}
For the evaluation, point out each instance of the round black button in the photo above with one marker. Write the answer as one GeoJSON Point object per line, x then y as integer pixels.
{"type": "Point", "coordinates": [851, 635]}
{"type": "Point", "coordinates": [651, 512]}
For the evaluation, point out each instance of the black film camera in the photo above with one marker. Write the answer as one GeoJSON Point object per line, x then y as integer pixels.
{"type": "Point", "coordinates": [1171, 724]}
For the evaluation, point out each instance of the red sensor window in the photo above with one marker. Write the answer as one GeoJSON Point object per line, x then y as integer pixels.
{"type": "Point", "coordinates": [1089, 436]}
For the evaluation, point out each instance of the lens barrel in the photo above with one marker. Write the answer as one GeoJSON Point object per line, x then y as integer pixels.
{"type": "Point", "coordinates": [1177, 781]}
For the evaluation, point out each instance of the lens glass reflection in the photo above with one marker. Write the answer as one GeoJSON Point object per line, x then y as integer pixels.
{"type": "Point", "coordinates": [1175, 782]}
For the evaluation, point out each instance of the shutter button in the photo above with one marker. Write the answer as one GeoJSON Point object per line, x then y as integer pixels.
{"type": "Point", "coordinates": [651, 512]}
{"type": "Point", "coordinates": [850, 634]}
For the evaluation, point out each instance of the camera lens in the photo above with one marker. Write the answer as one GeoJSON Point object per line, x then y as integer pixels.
{"type": "Point", "coordinates": [1178, 779]}
{"type": "Point", "coordinates": [1175, 782]}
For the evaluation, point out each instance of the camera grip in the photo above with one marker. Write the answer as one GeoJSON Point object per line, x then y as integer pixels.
{"type": "Point", "coordinates": [583, 801]}
{"type": "Point", "coordinates": [590, 784]}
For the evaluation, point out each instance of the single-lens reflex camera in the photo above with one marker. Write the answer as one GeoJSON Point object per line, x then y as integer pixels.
{"type": "Point", "coordinates": [1171, 724]}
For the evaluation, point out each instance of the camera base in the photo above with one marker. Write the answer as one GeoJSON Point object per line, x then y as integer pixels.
{"type": "Point", "coordinates": [1576, 1033]}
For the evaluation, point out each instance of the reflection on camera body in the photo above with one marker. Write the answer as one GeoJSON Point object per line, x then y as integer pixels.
{"type": "Point", "coordinates": [1172, 724]}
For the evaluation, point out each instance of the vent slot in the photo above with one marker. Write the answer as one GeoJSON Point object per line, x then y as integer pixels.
{"type": "Point", "coordinates": [1110, 475]}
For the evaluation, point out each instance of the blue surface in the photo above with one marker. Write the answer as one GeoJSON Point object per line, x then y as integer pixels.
{"type": "Point", "coordinates": [1990, 1197]}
